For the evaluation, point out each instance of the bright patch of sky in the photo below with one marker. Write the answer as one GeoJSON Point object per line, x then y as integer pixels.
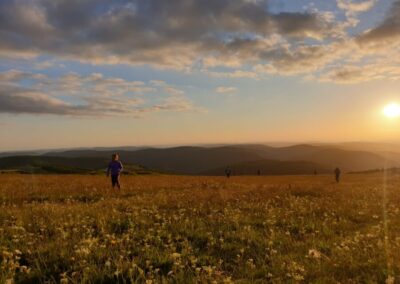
{"type": "Point", "coordinates": [154, 72]}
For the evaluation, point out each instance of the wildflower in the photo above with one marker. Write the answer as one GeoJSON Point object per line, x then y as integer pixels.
{"type": "Point", "coordinates": [390, 280]}
{"type": "Point", "coordinates": [82, 251]}
{"type": "Point", "coordinates": [175, 255]}
{"type": "Point", "coordinates": [314, 253]}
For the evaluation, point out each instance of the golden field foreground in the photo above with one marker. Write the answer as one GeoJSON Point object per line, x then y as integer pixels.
{"type": "Point", "coordinates": [182, 229]}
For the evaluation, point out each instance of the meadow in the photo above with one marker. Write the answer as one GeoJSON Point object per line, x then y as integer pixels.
{"type": "Point", "coordinates": [189, 229]}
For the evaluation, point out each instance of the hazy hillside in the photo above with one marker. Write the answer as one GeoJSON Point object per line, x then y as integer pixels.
{"type": "Point", "coordinates": [190, 160]}
{"type": "Point", "coordinates": [96, 152]}
{"type": "Point", "coordinates": [198, 160]}
{"type": "Point", "coordinates": [352, 160]}
{"type": "Point", "coordinates": [331, 157]}
{"type": "Point", "coordinates": [295, 152]}
{"type": "Point", "coordinates": [368, 146]}
{"type": "Point", "coordinates": [272, 167]}
{"type": "Point", "coordinates": [20, 153]}
{"type": "Point", "coordinates": [43, 164]}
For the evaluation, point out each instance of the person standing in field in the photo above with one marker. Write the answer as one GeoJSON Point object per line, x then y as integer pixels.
{"type": "Point", "coordinates": [115, 168]}
{"type": "Point", "coordinates": [228, 172]}
{"type": "Point", "coordinates": [337, 174]}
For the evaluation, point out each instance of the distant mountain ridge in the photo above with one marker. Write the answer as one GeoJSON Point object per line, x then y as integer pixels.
{"type": "Point", "coordinates": [273, 167]}
{"type": "Point", "coordinates": [296, 159]}
{"type": "Point", "coordinates": [62, 165]}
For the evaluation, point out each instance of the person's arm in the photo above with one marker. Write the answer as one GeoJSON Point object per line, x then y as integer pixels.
{"type": "Point", "coordinates": [121, 167]}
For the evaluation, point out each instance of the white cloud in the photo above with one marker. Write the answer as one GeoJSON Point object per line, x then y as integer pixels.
{"type": "Point", "coordinates": [244, 37]}
{"type": "Point", "coordinates": [233, 74]}
{"type": "Point", "coordinates": [354, 6]}
{"type": "Point", "coordinates": [166, 34]}
{"type": "Point", "coordinates": [225, 90]}
{"type": "Point", "coordinates": [92, 95]}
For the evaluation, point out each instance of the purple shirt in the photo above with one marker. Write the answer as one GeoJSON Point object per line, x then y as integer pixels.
{"type": "Point", "coordinates": [115, 167]}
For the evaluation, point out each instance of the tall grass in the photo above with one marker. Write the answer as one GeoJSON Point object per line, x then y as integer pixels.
{"type": "Point", "coordinates": [176, 229]}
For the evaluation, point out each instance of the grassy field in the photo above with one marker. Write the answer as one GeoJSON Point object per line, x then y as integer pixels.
{"type": "Point", "coordinates": [180, 229]}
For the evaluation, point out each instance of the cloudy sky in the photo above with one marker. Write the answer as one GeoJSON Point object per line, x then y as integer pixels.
{"type": "Point", "coordinates": [164, 72]}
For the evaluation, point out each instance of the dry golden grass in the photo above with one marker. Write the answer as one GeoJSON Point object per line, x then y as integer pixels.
{"type": "Point", "coordinates": [177, 229]}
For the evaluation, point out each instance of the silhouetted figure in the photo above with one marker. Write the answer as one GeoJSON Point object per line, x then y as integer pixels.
{"type": "Point", "coordinates": [115, 168]}
{"type": "Point", "coordinates": [337, 174]}
{"type": "Point", "coordinates": [258, 172]}
{"type": "Point", "coordinates": [228, 172]}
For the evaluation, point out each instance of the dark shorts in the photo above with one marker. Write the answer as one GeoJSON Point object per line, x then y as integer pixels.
{"type": "Point", "coordinates": [115, 180]}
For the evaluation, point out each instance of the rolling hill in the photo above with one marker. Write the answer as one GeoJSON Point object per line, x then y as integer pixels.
{"type": "Point", "coordinates": [329, 156]}
{"type": "Point", "coordinates": [62, 165]}
{"type": "Point", "coordinates": [272, 167]}
{"type": "Point", "coordinates": [201, 160]}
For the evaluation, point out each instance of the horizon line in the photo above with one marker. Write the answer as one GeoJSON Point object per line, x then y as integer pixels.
{"type": "Point", "coordinates": [174, 145]}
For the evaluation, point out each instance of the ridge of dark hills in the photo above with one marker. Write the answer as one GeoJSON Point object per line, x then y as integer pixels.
{"type": "Point", "coordinates": [189, 160]}
{"type": "Point", "coordinates": [201, 160]}
{"type": "Point", "coordinates": [52, 164]}
{"type": "Point", "coordinates": [273, 167]}
{"type": "Point", "coordinates": [62, 165]}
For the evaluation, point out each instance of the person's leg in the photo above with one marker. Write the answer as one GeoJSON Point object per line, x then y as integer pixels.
{"type": "Point", "coordinates": [113, 181]}
{"type": "Point", "coordinates": [117, 182]}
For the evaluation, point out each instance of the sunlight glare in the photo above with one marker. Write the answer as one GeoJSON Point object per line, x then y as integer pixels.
{"type": "Point", "coordinates": [391, 110]}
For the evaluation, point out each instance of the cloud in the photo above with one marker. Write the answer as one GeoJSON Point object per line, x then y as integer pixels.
{"type": "Point", "coordinates": [162, 33]}
{"type": "Point", "coordinates": [173, 91]}
{"type": "Point", "coordinates": [175, 103]}
{"type": "Point", "coordinates": [245, 37]}
{"type": "Point", "coordinates": [371, 55]}
{"type": "Point", "coordinates": [387, 32]}
{"type": "Point", "coordinates": [349, 74]}
{"type": "Point", "coordinates": [41, 65]}
{"type": "Point", "coordinates": [354, 6]}
{"type": "Point", "coordinates": [85, 96]}
{"type": "Point", "coordinates": [233, 74]}
{"type": "Point", "coordinates": [13, 75]}
{"type": "Point", "coordinates": [225, 90]}
{"type": "Point", "coordinates": [26, 101]}
{"type": "Point", "coordinates": [303, 59]}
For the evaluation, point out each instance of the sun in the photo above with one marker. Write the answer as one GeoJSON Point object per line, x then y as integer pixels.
{"type": "Point", "coordinates": [392, 110]}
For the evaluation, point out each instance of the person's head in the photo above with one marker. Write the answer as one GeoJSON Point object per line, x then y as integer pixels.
{"type": "Point", "coordinates": [115, 157]}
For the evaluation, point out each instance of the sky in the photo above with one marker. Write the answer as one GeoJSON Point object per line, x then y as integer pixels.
{"type": "Point", "coordinates": [171, 72]}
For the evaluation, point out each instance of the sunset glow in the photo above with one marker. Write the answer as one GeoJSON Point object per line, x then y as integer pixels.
{"type": "Point", "coordinates": [161, 72]}
{"type": "Point", "coordinates": [392, 110]}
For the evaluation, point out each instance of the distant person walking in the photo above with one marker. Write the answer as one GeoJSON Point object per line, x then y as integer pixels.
{"type": "Point", "coordinates": [337, 174]}
{"type": "Point", "coordinates": [115, 168]}
{"type": "Point", "coordinates": [228, 172]}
